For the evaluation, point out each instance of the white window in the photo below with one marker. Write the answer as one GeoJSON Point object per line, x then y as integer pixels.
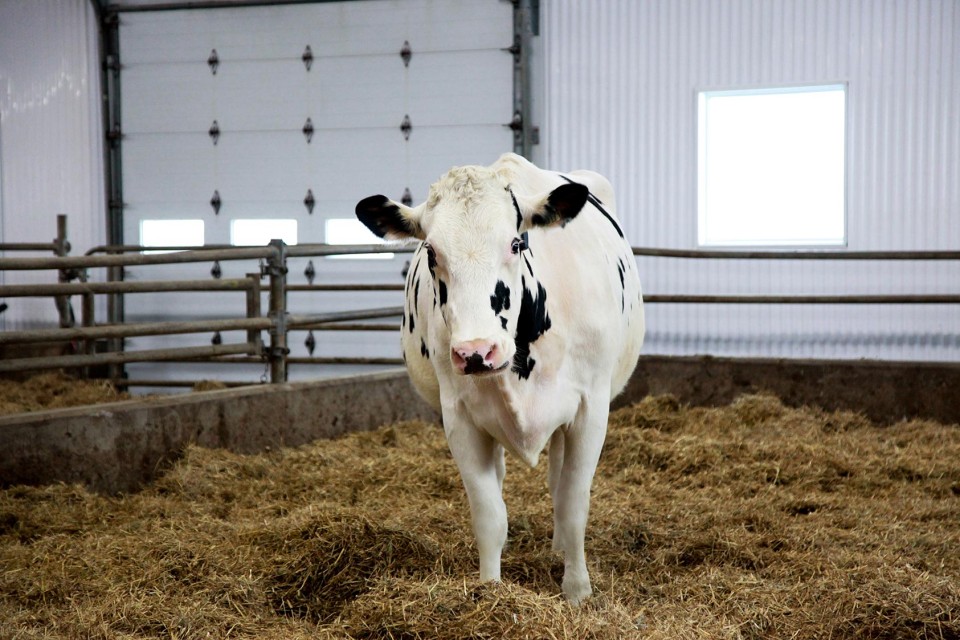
{"type": "Point", "coordinates": [771, 166]}
{"type": "Point", "coordinates": [352, 231]}
{"type": "Point", "coordinates": [171, 233]}
{"type": "Point", "coordinates": [259, 232]}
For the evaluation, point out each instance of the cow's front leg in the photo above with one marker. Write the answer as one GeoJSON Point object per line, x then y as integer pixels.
{"type": "Point", "coordinates": [555, 460]}
{"type": "Point", "coordinates": [583, 441]}
{"type": "Point", "coordinates": [480, 460]}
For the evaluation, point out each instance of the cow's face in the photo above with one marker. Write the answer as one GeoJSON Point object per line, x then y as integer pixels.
{"type": "Point", "coordinates": [473, 232]}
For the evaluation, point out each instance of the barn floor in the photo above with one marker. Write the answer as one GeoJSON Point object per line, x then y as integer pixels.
{"type": "Point", "coordinates": [748, 521]}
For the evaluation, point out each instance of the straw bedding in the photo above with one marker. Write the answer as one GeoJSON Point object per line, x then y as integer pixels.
{"type": "Point", "coordinates": [747, 521]}
{"type": "Point", "coordinates": [54, 390]}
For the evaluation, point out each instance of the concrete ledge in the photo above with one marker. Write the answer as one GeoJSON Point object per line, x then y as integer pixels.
{"type": "Point", "coordinates": [886, 392]}
{"type": "Point", "coordinates": [118, 447]}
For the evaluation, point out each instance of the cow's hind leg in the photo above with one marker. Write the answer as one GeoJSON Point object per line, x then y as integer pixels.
{"type": "Point", "coordinates": [581, 452]}
{"type": "Point", "coordinates": [480, 460]}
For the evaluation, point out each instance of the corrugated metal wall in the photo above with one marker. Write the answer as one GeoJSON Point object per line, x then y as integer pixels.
{"type": "Point", "coordinates": [621, 80]}
{"type": "Point", "coordinates": [51, 150]}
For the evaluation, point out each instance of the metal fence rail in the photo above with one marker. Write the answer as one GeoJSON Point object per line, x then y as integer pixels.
{"type": "Point", "coordinates": [277, 321]}
{"type": "Point", "coordinates": [713, 254]}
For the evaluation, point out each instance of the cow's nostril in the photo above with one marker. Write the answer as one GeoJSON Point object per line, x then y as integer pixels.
{"type": "Point", "coordinates": [475, 364]}
{"type": "Point", "coordinates": [474, 356]}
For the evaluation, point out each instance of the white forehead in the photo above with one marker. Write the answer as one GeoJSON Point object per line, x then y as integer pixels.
{"type": "Point", "coordinates": [469, 200]}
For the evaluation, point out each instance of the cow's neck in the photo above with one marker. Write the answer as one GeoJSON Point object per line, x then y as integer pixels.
{"type": "Point", "coordinates": [533, 320]}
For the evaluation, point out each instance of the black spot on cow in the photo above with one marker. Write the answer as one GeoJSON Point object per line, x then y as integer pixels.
{"type": "Point", "coordinates": [503, 322]}
{"type": "Point", "coordinates": [516, 207]}
{"type": "Point", "coordinates": [432, 261]}
{"type": "Point", "coordinates": [500, 299]}
{"type": "Point", "coordinates": [529, 268]}
{"type": "Point", "coordinates": [621, 269]}
{"type": "Point", "coordinates": [416, 290]}
{"type": "Point", "coordinates": [532, 322]}
{"type": "Point", "coordinates": [442, 288]}
{"type": "Point", "coordinates": [423, 349]}
{"type": "Point", "coordinates": [411, 324]}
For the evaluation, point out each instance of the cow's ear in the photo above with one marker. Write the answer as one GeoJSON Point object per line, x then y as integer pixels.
{"type": "Point", "coordinates": [556, 208]}
{"type": "Point", "coordinates": [389, 219]}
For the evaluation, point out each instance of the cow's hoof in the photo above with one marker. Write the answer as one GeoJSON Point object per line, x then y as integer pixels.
{"type": "Point", "coordinates": [576, 590]}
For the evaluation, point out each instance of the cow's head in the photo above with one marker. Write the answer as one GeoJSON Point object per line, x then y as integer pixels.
{"type": "Point", "coordinates": [473, 228]}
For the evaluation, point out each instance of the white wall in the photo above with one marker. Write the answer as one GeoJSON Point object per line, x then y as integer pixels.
{"type": "Point", "coordinates": [622, 78]}
{"type": "Point", "coordinates": [51, 151]}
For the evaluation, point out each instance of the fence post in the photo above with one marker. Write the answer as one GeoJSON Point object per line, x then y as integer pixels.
{"type": "Point", "coordinates": [61, 249]}
{"type": "Point", "coordinates": [87, 319]}
{"type": "Point", "coordinates": [253, 311]}
{"type": "Point", "coordinates": [276, 269]}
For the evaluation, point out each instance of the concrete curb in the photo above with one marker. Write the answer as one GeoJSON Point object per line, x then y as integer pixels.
{"type": "Point", "coordinates": [119, 447]}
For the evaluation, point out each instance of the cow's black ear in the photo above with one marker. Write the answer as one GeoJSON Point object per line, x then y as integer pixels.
{"type": "Point", "coordinates": [388, 219]}
{"type": "Point", "coordinates": [562, 205]}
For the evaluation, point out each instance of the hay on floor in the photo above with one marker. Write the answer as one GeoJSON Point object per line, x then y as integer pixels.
{"type": "Point", "coordinates": [54, 390]}
{"type": "Point", "coordinates": [748, 521]}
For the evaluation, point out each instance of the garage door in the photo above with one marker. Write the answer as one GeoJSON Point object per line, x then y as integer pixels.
{"type": "Point", "coordinates": [249, 123]}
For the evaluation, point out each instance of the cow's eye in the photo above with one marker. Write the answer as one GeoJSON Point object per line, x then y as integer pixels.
{"type": "Point", "coordinates": [517, 246]}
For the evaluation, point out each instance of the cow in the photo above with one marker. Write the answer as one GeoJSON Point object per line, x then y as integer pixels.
{"type": "Point", "coordinates": [523, 318]}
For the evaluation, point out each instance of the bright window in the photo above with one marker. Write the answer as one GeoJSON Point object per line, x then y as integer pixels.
{"type": "Point", "coordinates": [772, 166]}
{"type": "Point", "coordinates": [253, 232]}
{"type": "Point", "coordinates": [171, 233]}
{"type": "Point", "coordinates": [352, 231]}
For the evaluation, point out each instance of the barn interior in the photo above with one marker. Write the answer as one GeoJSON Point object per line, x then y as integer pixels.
{"type": "Point", "coordinates": [202, 401]}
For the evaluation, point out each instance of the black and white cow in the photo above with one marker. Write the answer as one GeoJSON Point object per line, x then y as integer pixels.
{"type": "Point", "coordinates": [524, 318]}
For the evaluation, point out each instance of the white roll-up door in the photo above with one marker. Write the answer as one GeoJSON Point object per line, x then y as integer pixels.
{"type": "Point", "coordinates": [291, 114]}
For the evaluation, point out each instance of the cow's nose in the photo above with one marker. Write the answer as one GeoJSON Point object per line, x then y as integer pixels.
{"type": "Point", "coordinates": [475, 356]}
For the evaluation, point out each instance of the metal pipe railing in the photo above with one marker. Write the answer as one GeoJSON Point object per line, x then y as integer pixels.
{"type": "Point", "coordinates": [307, 321]}
{"type": "Point", "coordinates": [28, 246]}
{"type": "Point", "coordinates": [134, 259]}
{"type": "Point", "coordinates": [345, 287]}
{"type": "Point", "coordinates": [124, 286]}
{"type": "Point", "coordinates": [713, 254]}
{"type": "Point", "coordinates": [352, 326]}
{"type": "Point", "coordinates": [803, 299]}
{"type": "Point", "coordinates": [122, 357]}
{"type": "Point", "coordinates": [279, 322]}
{"type": "Point", "coordinates": [57, 246]}
{"type": "Point", "coordinates": [313, 360]}
{"type": "Point", "coordinates": [133, 330]}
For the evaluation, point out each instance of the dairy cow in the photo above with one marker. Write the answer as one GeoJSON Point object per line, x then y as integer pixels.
{"type": "Point", "coordinates": [523, 319]}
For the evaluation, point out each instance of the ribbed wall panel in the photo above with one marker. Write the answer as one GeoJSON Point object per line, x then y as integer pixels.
{"type": "Point", "coordinates": [621, 80]}
{"type": "Point", "coordinates": [51, 151]}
